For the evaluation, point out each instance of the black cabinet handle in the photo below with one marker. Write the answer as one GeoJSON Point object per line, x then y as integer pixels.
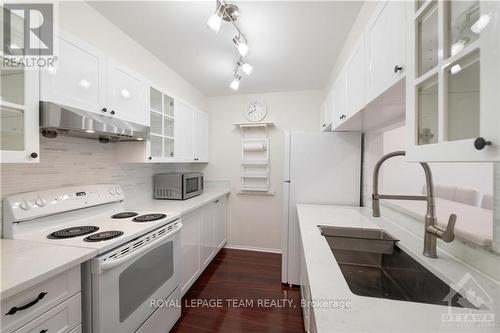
{"type": "Point", "coordinates": [324, 125]}
{"type": "Point", "coordinates": [397, 68]}
{"type": "Point", "coordinates": [104, 110]}
{"type": "Point", "coordinates": [34, 155]}
{"type": "Point", "coordinates": [342, 116]}
{"type": "Point", "coordinates": [28, 305]}
{"type": "Point", "coordinates": [150, 158]}
{"type": "Point", "coordinates": [217, 201]}
{"type": "Point", "coordinates": [112, 112]}
{"type": "Point", "coordinates": [44, 331]}
{"type": "Point", "coordinates": [480, 143]}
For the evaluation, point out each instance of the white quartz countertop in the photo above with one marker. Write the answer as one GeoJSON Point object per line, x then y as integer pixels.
{"type": "Point", "coordinates": [182, 207]}
{"type": "Point", "coordinates": [367, 314]}
{"type": "Point", "coordinates": [25, 263]}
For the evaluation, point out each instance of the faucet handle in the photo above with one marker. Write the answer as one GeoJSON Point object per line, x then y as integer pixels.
{"type": "Point", "coordinates": [449, 234]}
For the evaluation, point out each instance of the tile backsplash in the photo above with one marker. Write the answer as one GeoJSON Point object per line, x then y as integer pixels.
{"type": "Point", "coordinates": [67, 161]}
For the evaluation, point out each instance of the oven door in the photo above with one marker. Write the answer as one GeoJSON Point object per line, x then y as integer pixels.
{"type": "Point", "coordinates": [193, 185]}
{"type": "Point", "coordinates": [122, 289]}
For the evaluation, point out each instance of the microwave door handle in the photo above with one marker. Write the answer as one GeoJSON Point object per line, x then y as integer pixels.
{"type": "Point", "coordinates": [150, 246]}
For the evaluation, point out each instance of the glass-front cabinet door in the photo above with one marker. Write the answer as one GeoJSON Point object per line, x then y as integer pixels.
{"type": "Point", "coordinates": [162, 119]}
{"type": "Point", "coordinates": [19, 137]}
{"type": "Point", "coordinates": [453, 81]}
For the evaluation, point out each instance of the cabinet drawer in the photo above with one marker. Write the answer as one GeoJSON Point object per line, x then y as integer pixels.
{"type": "Point", "coordinates": [60, 319]}
{"type": "Point", "coordinates": [21, 308]}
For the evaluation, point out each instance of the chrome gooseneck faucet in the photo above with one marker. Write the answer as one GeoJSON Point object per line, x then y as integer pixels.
{"type": "Point", "coordinates": [432, 231]}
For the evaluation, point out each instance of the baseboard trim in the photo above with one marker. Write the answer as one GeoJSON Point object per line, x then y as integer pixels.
{"type": "Point", "coordinates": [252, 248]}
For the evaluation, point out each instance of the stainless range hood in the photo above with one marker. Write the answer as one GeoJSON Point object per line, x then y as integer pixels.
{"type": "Point", "coordinates": [60, 119]}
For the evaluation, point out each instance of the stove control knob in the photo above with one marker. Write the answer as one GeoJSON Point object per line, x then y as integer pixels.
{"type": "Point", "coordinates": [112, 191]}
{"type": "Point", "coordinates": [118, 191]}
{"type": "Point", "coordinates": [25, 205]}
{"type": "Point", "coordinates": [40, 202]}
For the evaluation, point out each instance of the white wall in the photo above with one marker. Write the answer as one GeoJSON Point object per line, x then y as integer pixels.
{"type": "Point", "coordinates": [401, 177]}
{"type": "Point", "coordinates": [83, 21]}
{"type": "Point", "coordinates": [255, 221]}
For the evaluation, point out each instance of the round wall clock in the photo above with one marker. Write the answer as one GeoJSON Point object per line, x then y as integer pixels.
{"type": "Point", "coordinates": [256, 111]}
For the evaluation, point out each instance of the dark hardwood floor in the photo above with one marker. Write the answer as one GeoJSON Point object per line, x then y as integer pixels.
{"type": "Point", "coordinates": [241, 291]}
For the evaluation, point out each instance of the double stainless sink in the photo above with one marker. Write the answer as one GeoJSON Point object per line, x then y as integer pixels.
{"type": "Point", "coordinates": [374, 266]}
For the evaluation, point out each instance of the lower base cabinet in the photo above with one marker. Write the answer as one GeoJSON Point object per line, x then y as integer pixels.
{"type": "Point", "coordinates": [203, 235]}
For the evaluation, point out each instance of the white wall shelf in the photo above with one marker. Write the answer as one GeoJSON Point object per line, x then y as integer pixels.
{"type": "Point", "coordinates": [254, 172]}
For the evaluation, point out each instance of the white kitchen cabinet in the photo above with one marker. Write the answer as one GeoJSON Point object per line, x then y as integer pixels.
{"type": "Point", "coordinates": [190, 240]}
{"type": "Point", "coordinates": [203, 235]}
{"type": "Point", "coordinates": [126, 94]}
{"type": "Point", "coordinates": [219, 213]}
{"type": "Point", "coordinates": [19, 92]}
{"type": "Point", "coordinates": [385, 48]}
{"type": "Point", "coordinates": [339, 101]}
{"type": "Point", "coordinates": [19, 132]}
{"type": "Point", "coordinates": [77, 78]}
{"type": "Point", "coordinates": [207, 239]}
{"type": "Point", "coordinates": [355, 80]}
{"type": "Point", "coordinates": [84, 78]}
{"type": "Point", "coordinates": [184, 129]}
{"type": "Point", "coordinates": [54, 303]}
{"type": "Point", "coordinates": [200, 136]}
{"type": "Point", "coordinates": [326, 112]}
{"type": "Point", "coordinates": [453, 81]}
{"type": "Point", "coordinates": [161, 146]}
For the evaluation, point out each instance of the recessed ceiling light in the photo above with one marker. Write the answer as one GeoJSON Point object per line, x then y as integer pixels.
{"type": "Point", "coordinates": [455, 69]}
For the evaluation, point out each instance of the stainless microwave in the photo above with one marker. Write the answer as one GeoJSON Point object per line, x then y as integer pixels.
{"type": "Point", "coordinates": [177, 186]}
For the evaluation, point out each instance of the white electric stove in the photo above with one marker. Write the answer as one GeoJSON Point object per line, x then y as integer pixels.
{"type": "Point", "coordinates": [138, 252]}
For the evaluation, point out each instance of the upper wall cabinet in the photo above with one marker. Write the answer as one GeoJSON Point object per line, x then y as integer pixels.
{"type": "Point", "coordinates": [385, 48]}
{"type": "Point", "coordinates": [326, 112]}
{"type": "Point", "coordinates": [83, 78]}
{"type": "Point", "coordinates": [126, 94]}
{"type": "Point", "coordinates": [200, 136]}
{"type": "Point", "coordinates": [77, 78]}
{"type": "Point", "coordinates": [453, 99]}
{"type": "Point", "coordinates": [371, 73]}
{"type": "Point", "coordinates": [19, 91]}
{"type": "Point", "coordinates": [162, 118]}
{"type": "Point", "coordinates": [355, 80]}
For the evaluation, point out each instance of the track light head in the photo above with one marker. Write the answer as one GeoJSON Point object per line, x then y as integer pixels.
{"type": "Point", "coordinates": [215, 20]}
{"type": "Point", "coordinates": [241, 44]}
{"type": "Point", "coordinates": [235, 84]}
{"type": "Point", "coordinates": [247, 68]}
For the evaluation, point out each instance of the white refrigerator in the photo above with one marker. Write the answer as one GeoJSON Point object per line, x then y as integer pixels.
{"type": "Point", "coordinates": [320, 168]}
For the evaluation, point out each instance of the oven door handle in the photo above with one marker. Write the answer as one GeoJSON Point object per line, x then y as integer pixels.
{"type": "Point", "coordinates": [99, 267]}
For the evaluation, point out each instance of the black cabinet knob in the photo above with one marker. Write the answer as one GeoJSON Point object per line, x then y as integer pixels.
{"type": "Point", "coordinates": [324, 125]}
{"type": "Point", "coordinates": [112, 112]}
{"type": "Point", "coordinates": [44, 331]}
{"type": "Point", "coordinates": [34, 155]}
{"type": "Point", "coordinates": [343, 116]}
{"type": "Point", "coordinates": [104, 110]}
{"type": "Point", "coordinates": [480, 143]}
{"type": "Point", "coordinates": [150, 158]}
{"type": "Point", "coordinates": [397, 68]}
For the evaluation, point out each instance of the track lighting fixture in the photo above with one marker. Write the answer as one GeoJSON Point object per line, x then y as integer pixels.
{"type": "Point", "coordinates": [230, 13]}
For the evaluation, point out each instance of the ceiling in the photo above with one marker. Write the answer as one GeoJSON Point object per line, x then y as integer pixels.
{"type": "Point", "coordinates": [293, 44]}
